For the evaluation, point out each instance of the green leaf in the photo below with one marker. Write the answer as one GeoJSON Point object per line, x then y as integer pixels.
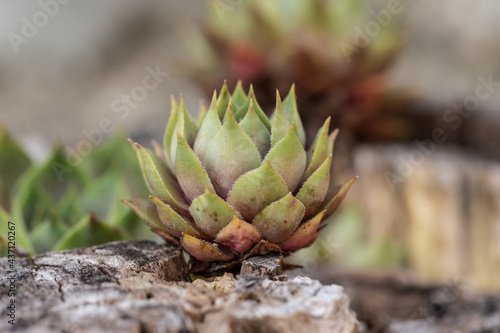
{"type": "Point", "coordinates": [173, 222]}
{"type": "Point", "coordinates": [191, 175]}
{"type": "Point", "coordinates": [46, 234]}
{"type": "Point", "coordinates": [304, 235]}
{"type": "Point", "coordinates": [313, 192]}
{"type": "Point", "coordinates": [125, 219]}
{"type": "Point", "coordinates": [31, 205]}
{"type": "Point", "coordinates": [13, 162]}
{"type": "Point", "coordinates": [292, 114]}
{"type": "Point", "coordinates": [256, 130]}
{"type": "Point", "coordinates": [239, 97]}
{"type": "Point", "coordinates": [55, 176]}
{"type": "Point", "coordinates": [186, 127]}
{"type": "Point", "coordinates": [278, 221]}
{"type": "Point", "coordinates": [69, 209]}
{"type": "Point", "coordinates": [318, 152]}
{"type": "Point", "coordinates": [205, 251]}
{"type": "Point", "coordinates": [288, 158]}
{"type": "Point", "coordinates": [89, 231]}
{"type": "Point", "coordinates": [23, 244]}
{"type": "Point", "coordinates": [211, 213]}
{"type": "Point", "coordinates": [208, 129]}
{"type": "Point", "coordinates": [281, 124]}
{"type": "Point", "coordinates": [147, 211]}
{"type": "Point", "coordinates": [230, 154]}
{"type": "Point", "coordinates": [255, 190]}
{"type": "Point", "coordinates": [170, 130]}
{"type": "Point", "coordinates": [258, 109]}
{"type": "Point", "coordinates": [333, 203]}
{"type": "Point", "coordinates": [100, 195]}
{"type": "Point", "coordinates": [223, 101]}
{"type": "Point", "coordinates": [158, 179]}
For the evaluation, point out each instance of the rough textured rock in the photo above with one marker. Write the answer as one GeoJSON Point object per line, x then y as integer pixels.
{"type": "Point", "coordinates": [300, 305]}
{"type": "Point", "coordinates": [122, 287]}
{"type": "Point", "coordinates": [269, 266]}
{"type": "Point", "coordinates": [390, 302]}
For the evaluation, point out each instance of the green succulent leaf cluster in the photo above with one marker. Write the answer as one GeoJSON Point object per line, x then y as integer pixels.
{"type": "Point", "coordinates": [56, 205]}
{"type": "Point", "coordinates": [234, 183]}
{"type": "Point", "coordinates": [321, 35]}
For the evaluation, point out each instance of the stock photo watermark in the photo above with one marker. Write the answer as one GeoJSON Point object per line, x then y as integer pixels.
{"type": "Point", "coordinates": [11, 273]}
{"type": "Point", "coordinates": [31, 26]}
{"type": "Point", "coordinates": [363, 36]}
{"type": "Point", "coordinates": [223, 6]}
{"type": "Point", "coordinates": [439, 303]}
{"type": "Point", "coordinates": [454, 118]}
{"type": "Point", "coordinates": [120, 107]}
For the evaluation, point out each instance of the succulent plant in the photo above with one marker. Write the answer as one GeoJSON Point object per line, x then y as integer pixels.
{"type": "Point", "coordinates": [57, 206]}
{"type": "Point", "coordinates": [316, 44]}
{"type": "Point", "coordinates": [235, 183]}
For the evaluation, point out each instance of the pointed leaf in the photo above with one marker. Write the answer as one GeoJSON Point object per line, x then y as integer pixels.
{"type": "Point", "coordinates": [332, 205]}
{"type": "Point", "coordinates": [191, 175]}
{"type": "Point", "coordinates": [278, 221]}
{"type": "Point", "coordinates": [292, 114]}
{"type": "Point", "coordinates": [256, 131]}
{"type": "Point", "coordinates": [211, 213]}
{"type": "Point", "coordinates": [208, 129]}
{"type": "Point", "coordinates": [313, 192]}
{"type": "Point", "coordinates": [205, 251]}
{"type": "Point", "coordinates": [13, 162]}
{"type": "Point", "coordinates": [147, 211]}
{"type": "Point", "coordinates": [157, 177]}
{"type": "Point", "coordinates": [242, 111]}
{"type": "Point", "coordinates": [23, 244]}
{"type": "Point", "coordinates": [186, 127]}
{"type": "Point", "coordinates": [223, 101]}
{"type": "Point", "coordinates": [89, 231]}
{"type": "Point", "coordinates": [318, 152]}
{"type": "Point", "coordinates": [46, 234]}
{"type": "Point", "coordinates": [281, 125]}
{"type": "Point", "coordinates": [238, 235]}
{"type": "Point", "coordinates": [170, 130]}
{"type": "Point", "coordinates": [175, 224]}
{"type": "Point", "coordinates": [230, 154]}
{"type": "Point", "coordinates": [304, 235]}
{"type": "Point", "coordinates": [258, 109]}
{"type": "Point", "coordinates": [255, 190]}
{"type": "Point", "coordinates": [239, 97]}
{"type": "Point", "coordinates": [288, 158]}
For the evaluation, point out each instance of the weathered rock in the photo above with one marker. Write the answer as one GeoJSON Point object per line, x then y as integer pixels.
{"type": "Point", "coordinates": [269, 266]}
{"type": "Point", "coordinates": [123, 287]}
{"type": "Point", "coordinates": [300, 305]}
{"type": "Point", "coordinates": [393, 302]}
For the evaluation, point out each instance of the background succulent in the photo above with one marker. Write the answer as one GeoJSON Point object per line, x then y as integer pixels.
{"type": "Point", "coordinates": [235, 183]}
{"type": "Point", "coordinates": [57, 206]}
{"type": "Point", "coordinates": [314, 44]}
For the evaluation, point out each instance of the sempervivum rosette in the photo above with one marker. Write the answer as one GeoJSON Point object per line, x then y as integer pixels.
{"type": "Point", "coordinates": [235, 183]}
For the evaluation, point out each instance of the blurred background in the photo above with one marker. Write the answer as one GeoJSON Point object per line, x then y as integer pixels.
{"type": "Point", "coordinates": [414, 87]}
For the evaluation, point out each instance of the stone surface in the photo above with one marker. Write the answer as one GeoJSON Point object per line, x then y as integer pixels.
{"type": "Point", "coordinates": [270, 266]}
{"type": "Point", "coordinates": [123, 287]}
